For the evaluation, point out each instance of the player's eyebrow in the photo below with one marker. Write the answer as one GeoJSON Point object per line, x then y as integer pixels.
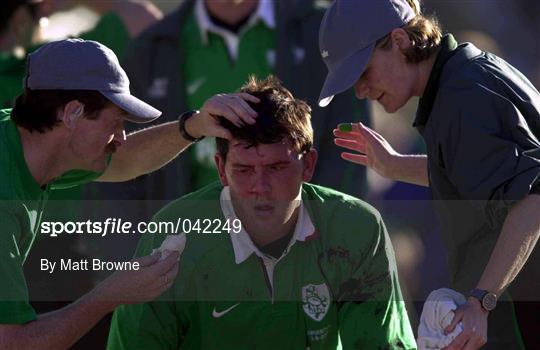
{"type": "Point", "coordinates": [240, 165]}
{"type": "Point", "coordinates": [281, 162]}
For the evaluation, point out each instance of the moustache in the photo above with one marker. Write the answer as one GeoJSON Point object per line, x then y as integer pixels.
{"type": "Point", "coordinates": [111, 148]}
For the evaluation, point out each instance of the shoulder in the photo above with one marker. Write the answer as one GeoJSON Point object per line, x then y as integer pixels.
{"type": "Point", "coordinates": [479, 74]}
{"type": "Point", "coordinates": [332, 202]}
{"type": "Point", "coordinates": [167, 27]}
{"type": "Point", "coordinates": [482, 93]}
{"type": "Point", "coordinates": [340, 218]}
{"type": "Point", "coordinates": [204, 201]}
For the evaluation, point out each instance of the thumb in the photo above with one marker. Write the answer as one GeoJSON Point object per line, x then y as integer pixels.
{"type": "Point", "coordinates": [148, 259]}
{"type": "Point", "coordinates": [458, 316]}
{"type": "Point", "coordinates": [219, 131]}
{"type": "Point", "coordinates": [367, 133]}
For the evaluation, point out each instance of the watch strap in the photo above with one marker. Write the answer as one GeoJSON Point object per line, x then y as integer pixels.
{"type": "Point", "coordinates": [182, 126]}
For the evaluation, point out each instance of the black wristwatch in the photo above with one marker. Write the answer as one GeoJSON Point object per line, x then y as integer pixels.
{"type": "Point", "coordinates": [182, 126]}
{"type": "Point", "coordinates": [487, 299]}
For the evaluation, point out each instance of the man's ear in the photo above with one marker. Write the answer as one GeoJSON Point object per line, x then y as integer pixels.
{"type": "Point", "coordinates": [310, 160]}
{"type": "Point", "coordinates": [220, 165]}
{"type": "Point", "coordinates": [400, 39]}
{"type": "Point", "coordinates": [71, 112]}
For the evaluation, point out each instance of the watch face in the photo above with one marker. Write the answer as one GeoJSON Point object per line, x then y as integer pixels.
{"type": "Point", "coordinates": [489, 301]}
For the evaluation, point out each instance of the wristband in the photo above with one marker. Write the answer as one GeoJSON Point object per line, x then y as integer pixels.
{"type": "Point", "coordinates": [182, 126]}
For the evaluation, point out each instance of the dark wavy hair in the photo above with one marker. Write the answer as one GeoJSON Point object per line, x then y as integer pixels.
{"type": "Point", "coordinates": [36, 110]}
{"type": "Point", "coordinates": [279, 117]}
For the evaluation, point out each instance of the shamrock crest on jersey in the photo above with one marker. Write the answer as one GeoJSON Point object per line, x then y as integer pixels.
{"type": "Point", "coordinates": [316, 300]}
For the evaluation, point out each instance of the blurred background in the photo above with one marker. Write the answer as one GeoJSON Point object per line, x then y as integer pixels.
{"type": "Point", "coordinates": [508, 29]}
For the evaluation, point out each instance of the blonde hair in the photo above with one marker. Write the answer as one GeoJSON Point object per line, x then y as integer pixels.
{"type": "Point", "coordinates": [424, 32]}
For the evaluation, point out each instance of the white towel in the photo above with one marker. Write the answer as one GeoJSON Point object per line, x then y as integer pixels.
{"type": "Point", "coordinates": [437, 314]}
{"type": "Point", "coordinates": [170, 244]}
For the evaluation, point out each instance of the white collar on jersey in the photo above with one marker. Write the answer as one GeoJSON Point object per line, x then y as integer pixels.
{"type": "Point", "coordinates": [243, 245]}
{"type": "Point", "coordinates": [264, 12]}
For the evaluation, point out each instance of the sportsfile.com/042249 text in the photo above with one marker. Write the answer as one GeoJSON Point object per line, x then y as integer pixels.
{"type": "Point", "coordinates": [119, 226]}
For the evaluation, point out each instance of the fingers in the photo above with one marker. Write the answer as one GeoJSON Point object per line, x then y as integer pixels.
{"type": "Point", "coordinates": [364, 130]}
{"type": "Point", "coordinates": [170, 275]}
{"type": "Point", "coordinates": [355, 158]}
{"type": "Point", "coordinates": [241, 107]}
{"type": "Point", "coordinates": [148, 260]}
{"type": "Point", "coordinates": [352, 145]}
{"type": "Point", "coordinates": [476, 339]}
{"type": "Point", "coordinates": [165, 265]}
{"type": "Point", "coordinates": [362, 133]}
{"type": "Point", "coordinates": [220, 109]}
{"type": "Point", "coordinates": [248, 97]}
{"type": "Point", "coordinates": [348, 135]}
{"type": "Point", "coordinates": [458, 316]}
{"type": "Point", "coordinates": [353, 127]}
{"type": "Point", "coordinates": [235, 103]}
{"type": "Point", "coordinates": [472, 345]}
{"type": "Point", "coordinates": [221, 132]}
{"type": "Point", "coordinates": [243, 98]}
{"type": "Point", "coordinates": [459, 341]}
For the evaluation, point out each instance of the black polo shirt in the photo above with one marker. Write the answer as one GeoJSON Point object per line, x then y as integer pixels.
{"type": "Point", "coordinates": [480, 119]}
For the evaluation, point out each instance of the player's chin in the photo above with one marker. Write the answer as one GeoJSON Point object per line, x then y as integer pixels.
{"type": "Point", "coordinates": [392, 107]}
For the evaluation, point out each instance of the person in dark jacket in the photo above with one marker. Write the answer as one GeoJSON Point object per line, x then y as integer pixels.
{"type": "Point", "coordinates": [480, 119]}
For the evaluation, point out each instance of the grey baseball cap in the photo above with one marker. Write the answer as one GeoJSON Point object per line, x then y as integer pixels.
{"type": "Point", "coordinates": [347, 36]}
{"type": "Point", "coordinates": [76, 64]}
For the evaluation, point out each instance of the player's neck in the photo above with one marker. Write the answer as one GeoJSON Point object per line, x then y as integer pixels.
{"type": "Point", "coordinates": [273, 234]}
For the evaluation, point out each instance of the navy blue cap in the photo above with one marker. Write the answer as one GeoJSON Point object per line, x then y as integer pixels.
{"type": "Point", "coordinates": [76, 64]}
{"type": "Point", "coordinates": [348, 33]}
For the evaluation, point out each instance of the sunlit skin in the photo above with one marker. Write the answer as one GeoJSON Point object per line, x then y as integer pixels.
{"type": "Point", "coordinates": [389, 79]}
{"type": "Point", "coordinates": [231, 11]}
{"type": "Point", "coordinates": [265, 183]}
{"type": "Point", "coordinates": [91, 141]}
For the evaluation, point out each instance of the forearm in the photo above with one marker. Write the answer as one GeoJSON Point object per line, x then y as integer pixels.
{"type": "Point", "coordinates": [145, 151]}
{"type": "Point", "coordinates": [411, 169]}
{"type": "Point", "coordinates": [518, 237]}
{"type": "Point", "coordinates": [149, 149]}
{"type": "Point", "coordinates": [58, 329]}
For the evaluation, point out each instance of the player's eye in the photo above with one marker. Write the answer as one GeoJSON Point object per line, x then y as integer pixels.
{"type": "Point", "coordinates": [277, 167]}
{"type": "Point", "coordinates": [244, 170]}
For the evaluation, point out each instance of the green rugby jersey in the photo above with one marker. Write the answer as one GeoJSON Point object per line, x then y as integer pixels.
{"type": "Point", "coordinates": [336, 279]}
{"type": "Point", "coordinates": [22, 201]}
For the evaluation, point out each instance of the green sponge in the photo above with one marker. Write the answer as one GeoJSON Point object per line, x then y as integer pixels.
{"type": "Point", "coordinates": [345, 127]}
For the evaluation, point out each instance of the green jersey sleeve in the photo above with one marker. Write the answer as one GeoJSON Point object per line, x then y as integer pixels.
{"type": "Point", "coordinates": [14, 301]}
{"type": "Point", "coordinates": [371, 311]}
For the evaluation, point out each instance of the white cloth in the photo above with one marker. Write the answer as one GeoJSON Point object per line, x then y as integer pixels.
{"type": "Point", "coordinates": [437, 314]}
